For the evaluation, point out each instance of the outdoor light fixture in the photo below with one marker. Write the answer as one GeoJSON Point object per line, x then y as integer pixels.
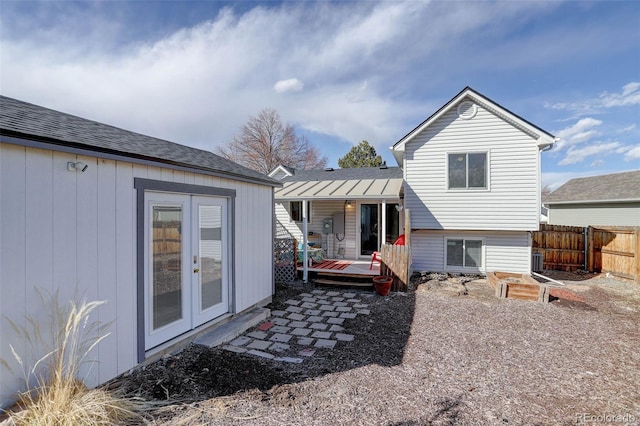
{"type": "Point", "coordinates": [77, 166]}
{"type": "Point", "coordinates": [349, 203]}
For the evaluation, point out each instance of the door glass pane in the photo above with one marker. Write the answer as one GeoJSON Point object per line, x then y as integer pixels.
{"type": "Point", "coordinates": [393, 223]}
{"type": "Point", "coordinates": [167, 265]}
{"type": "Point", "coordinates": [454, 252]}
{"type": "Point", "coordinates": [368, 228]}
{"type": "Point", "coordinates": [211, 255]}
{"type": "Point", "coordinates": [473, 253]}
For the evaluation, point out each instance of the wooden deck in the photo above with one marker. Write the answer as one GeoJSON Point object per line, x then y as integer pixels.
{"type": "Point", "coordinates": [357, 273]}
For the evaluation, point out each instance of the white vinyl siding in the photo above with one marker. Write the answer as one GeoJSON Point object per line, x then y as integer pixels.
{"type": "Point", "coordinates": [511, 200]}
{"type": "Point", "coordinates": [605, 214]}
{"type": "Point", "coordinates": [503, 251]}
{"type": "Point", "coordinates": [76, 232]}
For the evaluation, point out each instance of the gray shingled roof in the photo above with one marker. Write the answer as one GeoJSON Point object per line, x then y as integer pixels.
{"type": "Point", "coordinates": [345, 174]}
{"type": "Point", "coordinates": [32, 122]}
{"type": "Point", "coordinates": [613, 187]}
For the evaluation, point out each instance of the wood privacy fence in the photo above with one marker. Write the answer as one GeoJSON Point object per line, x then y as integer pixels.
{"type": "Point", "coordinates": [569, 248]}
{"type": "Point", "coordinates": [394, 262]}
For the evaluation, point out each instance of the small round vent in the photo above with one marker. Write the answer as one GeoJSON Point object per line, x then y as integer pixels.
{"type": "Point", "coordinates": [467, 110]}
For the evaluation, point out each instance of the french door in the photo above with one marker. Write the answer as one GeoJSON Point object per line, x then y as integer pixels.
{"type": "Point", "coordinates": [186, 263]}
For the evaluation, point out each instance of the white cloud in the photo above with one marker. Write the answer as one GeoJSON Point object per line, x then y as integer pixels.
{"type": "Point", "coordinates": [628, 129]}
{"type": "Point", "coordinates": [290, 85]}
{"type": "Point", "coordinates": [578, 154]}
{"type": "Point", "coordinates": [633, 154]}
{"type": "Point", "coordinates": [579, 132]}
{"type": "Point", "coordinates": [597, 163]}
{"type": "Point", "coordinates": [630, 95]}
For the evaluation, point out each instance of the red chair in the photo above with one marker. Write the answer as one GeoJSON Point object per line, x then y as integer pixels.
{"type": "Point", "coordinates": [375, 257]}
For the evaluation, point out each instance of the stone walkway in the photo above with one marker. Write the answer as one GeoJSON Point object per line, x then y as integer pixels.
{"type": "Point", "coordinates": [311, 321]}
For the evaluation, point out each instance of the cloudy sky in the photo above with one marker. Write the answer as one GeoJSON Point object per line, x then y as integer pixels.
{"type": "Point", "coordinates": [340, 71]}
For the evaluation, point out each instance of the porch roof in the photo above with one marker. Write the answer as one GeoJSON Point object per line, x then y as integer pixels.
{"type": "Point", "coordinates": [341, 189]}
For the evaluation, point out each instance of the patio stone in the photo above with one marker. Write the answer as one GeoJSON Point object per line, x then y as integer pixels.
{"type": "Point", "coordinates": [354, 300]}
{"type": "Point", "coordinates": [343, 309]}
{"type": "Point", "coordinates": [296, 324]}
{"type": "Point", "coordinates": [307, 352]}
{"type": "Point", "coordinates": [338, 321]}
{"type": "Point", "coordinates": [315, 319]}
{"type": "Point", "coordinates": [259, 344]}
{"type": "Point", "coordinates": [294, 309]}
{"type": "Point", "coordinates": [257, 334]}
{"type": "Point", "coordinates": [296, 317]}
{"type": "Point", "coordinates": [278, 313]}
{"type": "Point", "coordinates": [279, 347]}
{"type": "Point", "coordinates": [280, 329]}
{"type": "Point", "coordinates": [309, 299]}
{"type": "Point", "coordinates": [301, 331]}
{"type": "Point", "coordinates": [312, 312]}
{"type": "Point", "coordinates": [309, 305]}
{"type": "Point", "coordinates": [340, 304]}
{"type": "Point", "coordinates": [280, 321]}
{"type": "Point", "coordinates": [327, 307]}
{"type": "Point", "coordinates": [347, 315]}
{"type": "Point", "coordinates": [279, 337]}
{"type": "Point", "coordinates": [364, 311]}
{"type": "Point", "coordinates": [240, 341]}
{"type": "Point", "coordinates": [235, 349]}
{"type": "Point", "coordinates": [349, 295]}
{"type": "Point", "coordinates": [289, 359]}
{"type": "Point", "coordinates": [322, 297]}
{"type": "Point", "coordinates": [321, 334]}
{"type": "Point", "coordinates": [328, 344]}
{"type": "Point", "coordinates": [292, 302]}
{"type": "Point", "coordinates": [319, 326]}
{"type": "Point", "coordinates": [265, 326]}
{"type": "Point", "coordinates": [336, 328]}
{"type": "Point", "coordinates": [318, 292]}
{"type": "Point", "coordinates": [345, 337]}
{"type": "Point", "coordinates": [360, 306]}
{"type": "Point", "coordinates": [305, 295]}
{"type": "Point", "coordinates": [330, 314]}
{"type": "Point", "coordinates": [337, 299]}
{"type": "Point", "coordinates": [305, 341]}
{"type": "Point", "coordinates": [261, 354]}
{"type": "Point", "coordinates": [333, 293]}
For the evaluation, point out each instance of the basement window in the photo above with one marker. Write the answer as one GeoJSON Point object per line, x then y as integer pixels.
{"type": "Point", "coordinates": [464, 253]}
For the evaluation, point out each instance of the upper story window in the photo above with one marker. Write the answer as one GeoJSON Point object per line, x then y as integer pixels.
{"type": "Point", "coordinates": [296, 211]}
{"type": "Point", "coordinates": [468, 170]}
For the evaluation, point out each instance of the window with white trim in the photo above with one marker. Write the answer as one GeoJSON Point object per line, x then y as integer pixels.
{"type": "Point", "coordinates": [295, 211]}
{"type": "Point", "coordinates": [464, 253]}
{"type": "Point", "coordinates": [467, 170]}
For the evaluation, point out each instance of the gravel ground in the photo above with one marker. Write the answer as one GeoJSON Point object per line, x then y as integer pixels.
{"type": "Point", "coordinates": [447, 352]}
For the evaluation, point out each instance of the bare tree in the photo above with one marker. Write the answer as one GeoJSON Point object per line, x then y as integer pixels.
{"type": "Point", "coordinates": [265, 142]}
{"type": "Point", "coordinates": [546, 191]}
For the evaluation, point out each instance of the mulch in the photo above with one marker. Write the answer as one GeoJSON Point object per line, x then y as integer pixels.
{"type": "Point", "coordinates": [448, 352]}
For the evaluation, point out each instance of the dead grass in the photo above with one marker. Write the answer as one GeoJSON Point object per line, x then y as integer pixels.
{"type": "Point", "coordinates": [55, 395]}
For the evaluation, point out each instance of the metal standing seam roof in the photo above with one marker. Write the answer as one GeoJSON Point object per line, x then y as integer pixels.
{"type": "Point", "coordinates": [360, 183]}
{"type": "Point", "coordinates": [23, 121]}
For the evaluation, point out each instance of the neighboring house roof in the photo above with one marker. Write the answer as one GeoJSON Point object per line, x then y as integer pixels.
{"type": "Point", "coordinates": [353, 183]}
{"type": "Point", "coordinates": [542, 137]}
{"type": "Point", "coordinates": [287, 171]}
{"type": "Point", "coordinates": [616, 187]}
{"type": "Point", "coordinates": [31, 125]}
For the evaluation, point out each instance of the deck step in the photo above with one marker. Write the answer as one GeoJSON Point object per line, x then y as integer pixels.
{"type": "Point", "coordinates": [324, 281]}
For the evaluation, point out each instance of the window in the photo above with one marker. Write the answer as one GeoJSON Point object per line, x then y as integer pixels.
{"type": "Point", "coordinates": [296, 211]}
{"type": "Point", "coordinates": [464, 253]}
{"type": "Point", "coordinates": [468, 170]}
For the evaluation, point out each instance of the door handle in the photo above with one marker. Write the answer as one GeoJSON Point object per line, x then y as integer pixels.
{"type": "Point", "coordinates": [196, 270]}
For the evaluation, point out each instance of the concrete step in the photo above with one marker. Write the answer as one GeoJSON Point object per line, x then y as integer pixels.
{"type": "Point", "coordinates": [233, 328]}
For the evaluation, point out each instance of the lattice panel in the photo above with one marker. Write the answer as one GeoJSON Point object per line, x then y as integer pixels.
{"type": "Point", "coordinates": [284, 260]}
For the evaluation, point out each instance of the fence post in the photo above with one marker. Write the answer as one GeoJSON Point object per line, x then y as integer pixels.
{"type": "Point", "coordinates": [637, 254]}
{"type": "Point", "coordinates": [590, 249]}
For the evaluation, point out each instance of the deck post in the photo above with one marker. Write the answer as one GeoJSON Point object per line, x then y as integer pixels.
{"type": "Point", "coordinates": [305, 265]}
